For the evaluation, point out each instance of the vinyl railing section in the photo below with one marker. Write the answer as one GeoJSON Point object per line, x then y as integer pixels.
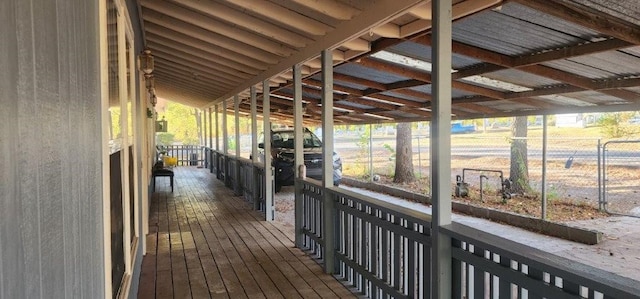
{"type": "Point", "coordinates": [487, 266]}
{"type": "Point", "coordinates": [379, 248]}
{"type": "Point", "coordinates": [243, 176]}
{"type": "Point", "coordinates": [383, 250]}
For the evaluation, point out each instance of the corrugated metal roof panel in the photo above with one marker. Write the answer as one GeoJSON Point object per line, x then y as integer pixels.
{"type": "Point", "coordinates": [355, 70]}
{"type": "Point", "coordinates": [350, 85]}
{"type": "Point", "coordinates": [614, 62]}
{"type": "Point", "coordinates": [517, 30]}
{"type": "Point", "coordinates": [579, 69]}
{"type": "Point", "coordinates": [422, 52]}
{"type": "Point", "coordinates": [567, 100]}
{"type": "Point", "coordinates": [354, 105]}
{"type": "Point", "coordinates": [628, 10]}
{"type": "Point", "coordinates": [521, 78]}
{"type": "Point", "coordinates": [635, 51]}
{"type": "Point", "coordinates": [507, 105]}
{"type": "Point", "coordinates": [595, 97]}
{"type": "Point", "coordinates": [403, 96]}
{"type": "Point", "coordinates": [455, 93]}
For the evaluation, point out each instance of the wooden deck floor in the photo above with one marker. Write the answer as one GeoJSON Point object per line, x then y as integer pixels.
{"type": "Point", "coordinates": [204, 242]}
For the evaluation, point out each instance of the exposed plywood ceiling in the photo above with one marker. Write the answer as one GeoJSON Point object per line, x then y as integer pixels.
{"type": "Point", "coordinates": [519, 57]}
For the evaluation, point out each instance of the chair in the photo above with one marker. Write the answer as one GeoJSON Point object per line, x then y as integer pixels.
{"type": "Point", "coordinates": [159, 170]}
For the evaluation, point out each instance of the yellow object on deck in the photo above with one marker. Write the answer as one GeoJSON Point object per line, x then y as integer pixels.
{"type": "Point", "coordinates": [170, 161]}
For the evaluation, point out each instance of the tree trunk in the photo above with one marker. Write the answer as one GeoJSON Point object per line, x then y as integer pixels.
{"type": "Point", "coordinates": [519, 171]}
{"type": "Point", "coordinates": [404, 155]}
{"type": "Point", "coordinates": [196, 113]}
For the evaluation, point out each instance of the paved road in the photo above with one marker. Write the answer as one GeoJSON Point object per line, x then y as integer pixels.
{"type": "Point", "coordinates": [584, 155]}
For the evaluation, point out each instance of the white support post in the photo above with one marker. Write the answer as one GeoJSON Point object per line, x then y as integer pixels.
{"type": "Point", "coordinates": [209, 110]}
{"type": "Point", "coordinates": [441, 148]}
{"type": "Point", "coordinates": [298, 151]}
{"type": "Point", "coordinates": [225, 133]}
{"type": "Point", "coordinates": [327, 159]}
{"type": "Point", "coordinates": [236, 114]}
{"type": "Point", "coordinates": [225, 142]}
{"type": "Point", "coordinates": [203, 124]}
{"type": "Point", "coordinates": [269, 210]}
{"type": "Point", "coordinates": [210, 158]}
{"type": "Point", "coordinates": [254, 145]}
{"type": "Point", "coordinates": [217, 157]}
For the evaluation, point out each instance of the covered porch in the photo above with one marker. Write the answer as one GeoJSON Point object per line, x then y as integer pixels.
{"type": "Point", "coordinates": [206, 242]}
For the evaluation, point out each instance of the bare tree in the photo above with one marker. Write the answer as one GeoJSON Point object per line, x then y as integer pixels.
{"type": "Point", "coordinates": [404, 155]}
{"type": "Point", "coordinates": [519, 170]}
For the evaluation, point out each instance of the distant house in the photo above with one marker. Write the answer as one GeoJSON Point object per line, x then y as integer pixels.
{"type": "Point", "coordinates": [576, 120]}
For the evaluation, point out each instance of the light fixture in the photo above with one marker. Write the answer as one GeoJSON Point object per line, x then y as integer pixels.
{"type": "Point", "coordinates": [146, 62]}
{"type": "Point", "coordinates": [149, 82]}
{"type": "Point", "coordinates": [154, 99]}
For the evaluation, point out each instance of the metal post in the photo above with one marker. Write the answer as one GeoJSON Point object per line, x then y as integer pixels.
{"type": "Point", "coordinates": [254, 146]}
{"type": "Point", "coordinates": [327, 159]}
{"type": "Point", "coordinates": [269, 211]}
{"type": "Point", "coordinates": [298, 150]}
{"type": "Point", "coordinates": [441, 148]}
{"type": "Point", "coordinates": [600, 189]}
{"type": "Point", "coordinates": [544, 167]}
{"type": "Point", "coordinates": [370, 153]}
{"type": "Point", "coordinates": [419, 159]}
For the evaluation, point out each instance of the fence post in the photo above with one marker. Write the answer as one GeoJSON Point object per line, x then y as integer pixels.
{"type": "Point", "coordinates": [600, 189]}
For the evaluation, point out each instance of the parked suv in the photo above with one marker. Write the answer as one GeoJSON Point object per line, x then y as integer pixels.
{"type": "Point", "coordinates": [282, 148]}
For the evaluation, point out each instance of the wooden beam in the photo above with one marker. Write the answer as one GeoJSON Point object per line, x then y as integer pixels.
{"type": "Point", "coordinates": [408, 72]}
{"type": "Point", "coordinates": [571, 51]}
{"type": "Point", "coordinates": [476, 107]}
{"type": "Point", "coordinates": [587, 17]}
{"type": "Point", "coordinates": [560, 76]}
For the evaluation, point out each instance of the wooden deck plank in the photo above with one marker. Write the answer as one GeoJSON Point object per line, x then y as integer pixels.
{"type": "Point", "coordinates": [274, 255]}
{"type": "Point", "coordinates": [327, 287]}
{"type": "Point", "coordinates": [204, 242]}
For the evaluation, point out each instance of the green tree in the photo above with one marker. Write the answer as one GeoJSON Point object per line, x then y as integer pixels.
{"type": "Point", "coordinates": [181, 123]}
{"type": "Point", "coordinates": [612, 125]}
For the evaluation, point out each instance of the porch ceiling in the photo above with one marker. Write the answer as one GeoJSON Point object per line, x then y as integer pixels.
{"type": "Point", "coordinates": [519, 57]}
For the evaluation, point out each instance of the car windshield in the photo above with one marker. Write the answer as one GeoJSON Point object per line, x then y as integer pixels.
{"type": "Point", "coordinates": [284, 139]}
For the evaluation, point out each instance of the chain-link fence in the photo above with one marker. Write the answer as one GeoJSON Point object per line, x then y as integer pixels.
{"type": "Point", "coordinates": [621, 177]}
{"type": "Point", "coordinates": [571, 170]}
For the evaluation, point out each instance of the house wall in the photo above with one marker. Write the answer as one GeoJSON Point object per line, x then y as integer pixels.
{"type": "Point", "coordinates": [51, 240]}
{"type": "Point", "coordinates": [138, 43]}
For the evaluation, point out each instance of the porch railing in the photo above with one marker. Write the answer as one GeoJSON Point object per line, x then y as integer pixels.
{"type": "Point", "coordinates": [487, 266]}
{"type": "Point", "coordinates": [379, 248]}
{"type": "Point", "coordinates": [192, 155]}
{"type": "Point", "coordinates": [384, 251]}
{"type": "Point", "coordinates": [243, 176]}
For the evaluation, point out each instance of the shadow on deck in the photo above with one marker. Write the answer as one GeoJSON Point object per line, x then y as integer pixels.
{"type": "Point", "coordinates": [204, 242]}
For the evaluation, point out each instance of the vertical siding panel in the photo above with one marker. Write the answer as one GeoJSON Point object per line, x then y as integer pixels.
{"type": "Point", "coordinates": [27, 176]}
{"type": "Point", "coordinates": [11, 261]}
{"type": "Point", "coordinates": [49, 103]}
{"type": "Point", "coordinates": [69, 190]}
{"type": "Point", "coordinates": [50, 149]}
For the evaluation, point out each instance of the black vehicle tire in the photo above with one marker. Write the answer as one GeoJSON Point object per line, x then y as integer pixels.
{"type": "Point", "coordinates": [277, 188]}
